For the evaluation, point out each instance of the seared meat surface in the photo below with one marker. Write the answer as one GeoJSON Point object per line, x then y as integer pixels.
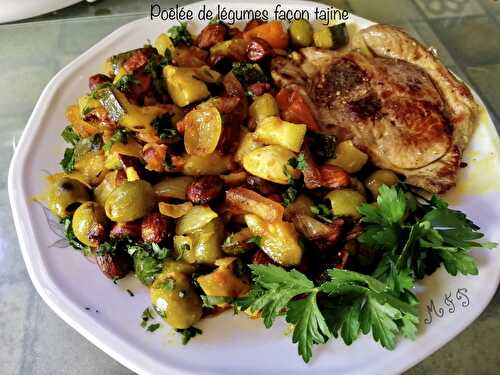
{"type": "Point", "coordinates": [393, 98]}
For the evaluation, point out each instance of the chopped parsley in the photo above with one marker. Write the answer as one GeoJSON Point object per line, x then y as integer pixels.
{"type": "Point", "coordinates": [180, 34]}
{"type": "Point", "coordinates": [248, 73]}
{"type": "Point", "coordinates": [146, 316]}
{"type": "Point", "coordinates": [164, 127]}
{"type": "Point", "coordinates": [299, 162]}
{"type": "Point", "coordinates": [168, 284]}
{"type": "Point", "coordinates": [188, 333]}
{"type": "Point", "coordinates": [125, 81]}
{"type": "Point", "coordinates": [184, 247]}
{"type": "Point", "coordinates": [296, 184]}
{"type": "Point", "coordinates": [153, 327]}
{"type": "Point", "coordinates": [148, 260]}
{"type": "Point", "coordinates": [322, 212]}
{"type": "Point", "coordinates": [70, 136]}
{"type": "Point", "coordinates": [69, 160]}
{"type": "Point", "coordinates": [154, 67]}
{"type": "Point", "coordinates": [120, 136]}
{"type": "Point", "coordinates": [215, 21]}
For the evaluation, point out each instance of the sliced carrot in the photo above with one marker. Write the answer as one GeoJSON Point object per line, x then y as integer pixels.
{"type": "Point", "coordinates": [272, 32]}
{"type": "Point", "coordinates": [294, 108]}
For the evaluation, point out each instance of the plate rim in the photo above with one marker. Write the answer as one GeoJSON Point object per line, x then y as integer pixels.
{"type": "Point", "coordinates": [84, 324]}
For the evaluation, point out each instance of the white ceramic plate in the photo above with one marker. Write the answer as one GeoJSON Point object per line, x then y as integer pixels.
{"type": "Point", "coordinates": [14, 10]}
{"type": "Point", "coordinates": [230, 344]}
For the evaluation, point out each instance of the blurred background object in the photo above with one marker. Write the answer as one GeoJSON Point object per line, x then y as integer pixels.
{"type": "Point", "coordinates": [14, 10]}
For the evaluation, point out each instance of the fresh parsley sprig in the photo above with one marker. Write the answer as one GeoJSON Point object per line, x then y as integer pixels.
{"type": "Point", "coordinates": [415, 235]}
{"type": "Point", "coordinates": [348, 304]}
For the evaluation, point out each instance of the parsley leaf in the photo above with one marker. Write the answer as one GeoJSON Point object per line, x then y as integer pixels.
{"type": "Point", "coordinates": [322, 212]}
{"type": "Point", "coordinates": [120, 136]}
{"type": "Point", "coordinates": [299, 162]}
{"type": "Point", "coordinates": [153, 327]}
{"type": "Point", "coordinates": [416, 235]}
{"type": "Point", "coordinates": [257, 240]}
{"type": "Point", "coordinates": [310, 325]}
{"type": "Point", "coordinates": [70, 136]}
{"type": "Point", "coordinates": [248, 73]}
{"type": "Point", "coordinates": [69, 160]}
{"type": "Point", "coordinates": [348, 304]}
{"type": "Point", "coordinates": [146, 316]}
{"type": "Point", "coordinates": [148, 260]}
{"type": "Point", "coordinates": [188, 333]}
{"type": "Point", "coordinates": [296, 184]}
{"type": "Point", "coordinates": [164, 127]}
{"type": "Point", "coordinates": [180, 34]}
{"type": "Point", "coordinates": [125, 81]}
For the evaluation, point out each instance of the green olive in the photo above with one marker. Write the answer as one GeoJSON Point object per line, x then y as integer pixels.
{"type": "Point", "coordinates": [301, 33]}
{"type": "Point", "coordinates": [89, 223]}
{"type": "Point", "coordinates": [102, 191]}
{"type": "Point", "coordinates": [379, 178]}
{"type": "Point", "coordinates": [207, 242]}
{"type": "Point", "coordinates": [130, 201]}
{"type": "Point", "coordinates": [345, 202]}
{"type": "Point", "coordinates": [202, 246]}
{"type": "Point", "coordinates": [175, 299]}
{"type": "Point", "coordinates": [65, 195]}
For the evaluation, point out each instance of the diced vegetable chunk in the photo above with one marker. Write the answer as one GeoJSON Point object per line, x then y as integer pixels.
{"type": "Point", "coordinates": [223, 281]}
{"type": "Point", "coordinates": [273, 130]}
{"type": "Point", "coordinates": [270, 163]}
{"type": "Point", "coordinates": [348, 157]}
{"type": "Point", "coordinates": [278, 240]}
{"type": "Point", "coordinates": [272, 32]}
{"type": "Point", "coordinates": [251, 202]}
{"type": "Point", "coordinates": [194, 219]}
{"type": "Point", "coordinates": [345, 202]}
{"type": "Point", "coordinates": [183, 87]}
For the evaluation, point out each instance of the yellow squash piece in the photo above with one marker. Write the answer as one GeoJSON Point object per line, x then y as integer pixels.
{"type": "Point", "coordinates": [223, 282]}
{"type": "Point", "coordinates": [212, 164]}
{"type": "Point", "coordinates": [248, 143]}
{"type": "Point", "coordinates": [279, 240]}
{"type": "Point", "coordinates": [269, 163]}
{"type": "Point", "coordinates": [345, 202]}
{"type": "Point", "coordinates": [272, 130]}
{"type": "Point", "coordinates": [348, 157]}
{"type": "Point", "coordinates": [162, 43]}
{"type": "Point", "coordinates": [182, 85]}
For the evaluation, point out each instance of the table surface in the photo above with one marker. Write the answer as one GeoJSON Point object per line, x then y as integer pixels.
{"type": "Point", "coordinates": [34, 340]}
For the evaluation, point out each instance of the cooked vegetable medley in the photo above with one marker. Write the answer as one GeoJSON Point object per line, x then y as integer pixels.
{"type": "Point", "coordinates": [188, 168]}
